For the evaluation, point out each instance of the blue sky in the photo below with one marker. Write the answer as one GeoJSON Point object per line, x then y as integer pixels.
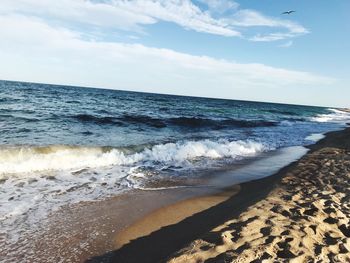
{"type": "Point", "coordinates": [243, 49]}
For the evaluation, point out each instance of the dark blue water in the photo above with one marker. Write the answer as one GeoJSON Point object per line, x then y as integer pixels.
{"type": "Point", "coordinates": [62, 145]}
{"type": "Point", "coordinates": [38, 114]}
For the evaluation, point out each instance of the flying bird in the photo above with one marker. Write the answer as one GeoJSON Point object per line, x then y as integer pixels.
{"type": "Point", "coordinates": [288, 12]}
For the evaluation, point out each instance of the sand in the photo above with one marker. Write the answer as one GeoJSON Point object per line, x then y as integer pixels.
{"type": "Point", "coordinates": [172, 214]}
{"type": "Point", "coordinates": [76, 233]}
{"type": "Point", "coordinates": [305, 218]}
{"type": "Point", "coordinates": [300, 214]}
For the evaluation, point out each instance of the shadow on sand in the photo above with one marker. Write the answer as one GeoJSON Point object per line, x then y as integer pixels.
{"type": "Point", "coordinates": [161, 244]}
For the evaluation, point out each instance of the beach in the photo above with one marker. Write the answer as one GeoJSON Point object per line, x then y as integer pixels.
{"type": "Point", "coordinates": [305, 218]}
{"type": "Point", "coordinates": [90, 175]}
{"type": "Point", "coordinates": [299, 214]}
{"type": "Point", "coordinates": [178, 131]}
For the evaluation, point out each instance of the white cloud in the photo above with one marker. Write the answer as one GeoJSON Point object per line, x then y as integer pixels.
{"type": "Point", "coordinates": [270, 37]}
{"type": "Point", "coordinates": [121, 14]}
{"type": "Point", "coordinates": [220, 6]}
{"type": "Point", "coordinates": [134, 14]}
{"type": "Point", "coordinates": [181, 12]}
{"type": "Point", "coordinates": [32, 50]}
{"type": "Point", "coordinates": [287, 44]}
{"type": "Point", "coordinates": [102, 14]}
{"type": "Point", "coordinates": [251, 18]}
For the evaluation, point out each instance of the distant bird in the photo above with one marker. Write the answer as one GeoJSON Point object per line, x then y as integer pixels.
{"type": "Point", "coordinates": [288, 12]}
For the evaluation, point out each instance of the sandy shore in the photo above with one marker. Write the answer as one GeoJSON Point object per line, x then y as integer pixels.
{"type": "Point", "coordinates": [306, 218]}
{"type": "Point", "coordinates": [172, 214]}
{"type": "Point", "coordinates": [76, 233]}
{"type": "Point", "coordinates": [81, 231]}
{"type": "Point", "coordinates": [300, 214]}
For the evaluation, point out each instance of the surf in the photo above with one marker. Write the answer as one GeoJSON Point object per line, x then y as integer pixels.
{"type": "Point", "coordinates": [30, 159]}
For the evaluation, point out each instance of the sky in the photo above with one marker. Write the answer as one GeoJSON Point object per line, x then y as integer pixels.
{"type": "Point", "coordinates": [233, 49]}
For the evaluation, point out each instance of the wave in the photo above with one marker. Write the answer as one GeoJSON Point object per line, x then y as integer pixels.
{"type": "Point", "coordinates": [26, 159]}
{"type": "Point", "coordinates": [336, 115]}
{"type": "Point", "coordinates": [284, 112]}
{"type": "Point", "coordinates": [96, 119]}
{"type": "Point", "coordinates": [125, 119]}
{"type": "Point", "coordinates": [19, 118]}
{"type": "Point", "coordinates": [143, 119]}
{"type": "Point", "coordinates": [183, 122]}
{"type": "Point", "coordinates": [219, 124]}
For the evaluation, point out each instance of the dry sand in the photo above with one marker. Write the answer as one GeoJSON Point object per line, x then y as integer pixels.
{"type": "Point", "coordinates": [300, 214]}
{"type": "Point", "coordinates": [306, 218]}
{"type": "Point", "coordinates": [171, 214]}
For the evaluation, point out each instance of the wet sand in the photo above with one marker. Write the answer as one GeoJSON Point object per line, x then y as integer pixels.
{"type": "Point", "coordinates": [75, 233]}
{"type": "Point", "coordinates": [300, 214]}
{"type": "Point", "coordinates": [172, 214]}
{"type": "Point", "coordinates": [191, 224]}
{"type": "Point", "coordinates": [305, 218]}
{"type": "Point", "coordinates": [78, 232]}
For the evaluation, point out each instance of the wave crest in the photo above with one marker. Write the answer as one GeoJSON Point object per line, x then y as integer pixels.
{"type": "Point", "coordinates": [51, 158]}
{"type": "Point", "coordinates": [336, 115]}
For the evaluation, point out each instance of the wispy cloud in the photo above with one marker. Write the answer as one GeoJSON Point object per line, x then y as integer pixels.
{"type": "Point", "coordinates": [78, 13]}
{"type": "Point", "coordinates": [181, 12]}
{"type": "Point", "coordinates": [31, 49]}
{"type": "Point", "coordinates": [220, 6]}
{"type": "Point", "coordinates": [254, 19]}
{"type": "Point", "coordinates": [222, 17]}
{"type": "Point", "coordinates": [287, 44]}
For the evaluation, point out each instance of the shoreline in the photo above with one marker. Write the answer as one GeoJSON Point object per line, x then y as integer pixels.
{"type": "Point", "coordinates": [226, 184]}
{"type": "Point", "coordinates": [161, 244]}
{"type": "Point", "coordinates": [90, 229]}
{"type": "Point", "coordinates": [172, 214]}
{"type": "Point", "coordinates": [116, 220]}
{"type": "Point", "coordinates": [84, 230]}
{"type": "Point", "coordinates": [305, 218]}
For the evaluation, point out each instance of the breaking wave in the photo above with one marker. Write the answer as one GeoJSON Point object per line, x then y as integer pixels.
{"type": "Point", "coordinates": [336, 115]}
{"type": "Point", "coordinates": [48, 177]}
{"type": "Point", "coordinates": [26, 159]}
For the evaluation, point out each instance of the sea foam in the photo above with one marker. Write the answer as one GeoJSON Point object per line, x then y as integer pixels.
{"type": "Point", "coordinates": [27, 160]}
{"type": "Point", "coordinates": [38, 180]}
{"type": "Point", "coordinates": [336, 115]}
{"type": "Point", "coordinates": [34, 176]}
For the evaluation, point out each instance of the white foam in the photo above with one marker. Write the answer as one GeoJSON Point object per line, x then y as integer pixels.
{"type": "Point", "coordinates": [314, 137]}
{"type": "Point", "coordinates": [27, 160]}
{"type": "Point", "coordinates": [337, 116]}
{"type": "Point", "coordinates": [178, 153]}
{"type": "Point", "coordinates": [54, 158]}
{"type": "Point", "coordinates": [39, 180]}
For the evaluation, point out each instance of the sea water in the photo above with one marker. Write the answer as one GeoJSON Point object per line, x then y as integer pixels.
{"type": "Point", "coordinates": [62, 145]}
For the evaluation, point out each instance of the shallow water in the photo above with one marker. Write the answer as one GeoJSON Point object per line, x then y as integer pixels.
{"type": "Point", "coordinates": [62, 145]}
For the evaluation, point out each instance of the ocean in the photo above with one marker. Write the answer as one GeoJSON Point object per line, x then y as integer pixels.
{"type": "Point", "coordinates": [61, 145]}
